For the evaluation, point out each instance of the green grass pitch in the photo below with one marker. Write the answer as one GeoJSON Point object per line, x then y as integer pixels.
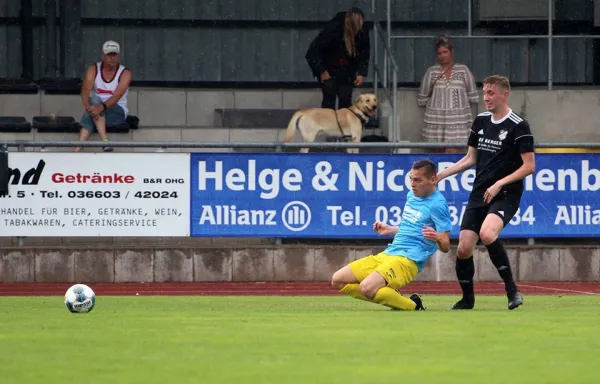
{"type": "Point", "coordinates": [551, 339]}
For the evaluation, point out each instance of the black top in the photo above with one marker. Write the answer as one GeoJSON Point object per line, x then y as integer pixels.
{"type": "Point", "coordinates": [327, 52]}
{"type": "Point", "coordinates": [499, 147]}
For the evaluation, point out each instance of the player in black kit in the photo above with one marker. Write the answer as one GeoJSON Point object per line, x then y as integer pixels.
{"type": "Point", "coordinates": [502, 148]}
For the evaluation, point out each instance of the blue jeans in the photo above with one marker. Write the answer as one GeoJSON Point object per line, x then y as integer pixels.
{"type": "Point", "coordinates": [113, 116]}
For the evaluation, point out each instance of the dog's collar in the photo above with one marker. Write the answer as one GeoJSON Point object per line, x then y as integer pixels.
{"type": "Point", "coordinates": [361, 117]}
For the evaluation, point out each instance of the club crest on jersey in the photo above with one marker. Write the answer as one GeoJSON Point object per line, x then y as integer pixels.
{"type": "Point", "coordinates": [502, 134]}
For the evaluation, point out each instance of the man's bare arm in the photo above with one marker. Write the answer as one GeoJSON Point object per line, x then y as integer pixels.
{"type": "Point", "coordinates": [524, 170]}
{"type": "Point", "coordinates": [392, 230]}
{"type": "Point", "coordinates": [383, 229]}
{"type": "Point", "coordinates": [443, 241]}
{"type": "Point", "coordinates": [469, 160]}
{"type": "Point", "coordinates": [124, 82]}
{"type": "Point", "coordinates": [86, 86]}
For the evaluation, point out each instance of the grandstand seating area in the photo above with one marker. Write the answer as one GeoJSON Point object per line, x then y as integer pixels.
{"type": "Point", "coordinates": [244, 70]}
{"type": "Point", "coordinates": [184, 115]}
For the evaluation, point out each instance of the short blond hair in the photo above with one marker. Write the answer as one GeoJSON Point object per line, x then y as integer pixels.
{"type": "Point", "coordinates": [499, 81]}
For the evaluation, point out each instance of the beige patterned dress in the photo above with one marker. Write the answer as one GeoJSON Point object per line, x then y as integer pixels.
{"type": "Point", "coordinates": [448, 116]}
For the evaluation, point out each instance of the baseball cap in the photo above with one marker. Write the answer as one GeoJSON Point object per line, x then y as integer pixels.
{"type": "Point", "coordinates": [111, 46]}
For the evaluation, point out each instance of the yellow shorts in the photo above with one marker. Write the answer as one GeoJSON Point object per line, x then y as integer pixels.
{"type": "Point", "coordinates": [398, 271]}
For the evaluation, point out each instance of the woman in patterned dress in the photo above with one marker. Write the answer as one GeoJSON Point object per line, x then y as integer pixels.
{"type": "Point", "coordinates": [446, 91]}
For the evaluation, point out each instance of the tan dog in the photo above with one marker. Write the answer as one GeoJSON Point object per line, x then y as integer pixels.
{"type": "Point", "coordinates": [310, 121]}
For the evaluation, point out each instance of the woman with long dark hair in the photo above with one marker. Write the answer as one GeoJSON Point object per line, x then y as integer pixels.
{"type": "Point", "coordinates": [339, 57]}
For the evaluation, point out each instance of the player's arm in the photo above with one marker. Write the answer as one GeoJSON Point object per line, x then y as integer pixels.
{"type": "Point", "coordinates": [443, 241]}
{"type": "Point", "coordinates": [440, 215]}
{"type": "Point", "coordinates": [383, 229]}
{"type": "Point", "coordinates": [524, 141]}
{"type": "Point", "coordinates": [469, 160]}
{"type": "Point", "coordinates": [524, 170]}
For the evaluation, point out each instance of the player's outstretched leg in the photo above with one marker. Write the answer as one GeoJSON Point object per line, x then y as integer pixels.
{"type": "Point", "coordinates": [465, 269]}
{"type": "Point", "coordinates": [375, 288]}
{"type": "Point", "coordinates": [490, 229]}
{"type": "Point", "coordinates": [359, 280]}
{"type": "Point", "coordinates": [346, 282]}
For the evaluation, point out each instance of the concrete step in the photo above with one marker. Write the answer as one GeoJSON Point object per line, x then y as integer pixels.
{"type": "Point", "coordinates": [253, 118]}
{"type": "Point", "coordinates": [263, 118]}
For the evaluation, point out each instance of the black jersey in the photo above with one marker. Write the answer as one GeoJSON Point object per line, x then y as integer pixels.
{"type": "Point", "coordinates": [499, 147]}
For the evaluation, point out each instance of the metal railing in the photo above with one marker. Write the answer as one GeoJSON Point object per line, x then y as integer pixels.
{"type": "Point", "coordinates": [277, 145]}
{"type": "Point", "coordinates": [389, 73]}
{"type": "Point", "coordinates": [549, 36]}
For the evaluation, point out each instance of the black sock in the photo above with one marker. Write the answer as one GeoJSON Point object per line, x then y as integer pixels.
{"type": "Point", "coordinates": [465, 270]}
{"type": "Point", "coordinates": [500, 260]}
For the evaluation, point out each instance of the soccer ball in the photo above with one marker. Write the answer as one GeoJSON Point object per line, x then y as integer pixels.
{"type": "Point", "coordinates": [80, 298]}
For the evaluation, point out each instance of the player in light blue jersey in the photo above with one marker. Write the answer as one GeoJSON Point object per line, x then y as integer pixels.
{"type": "Point", "coordinates": [424, 228]}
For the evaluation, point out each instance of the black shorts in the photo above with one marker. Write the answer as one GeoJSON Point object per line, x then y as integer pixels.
{"type": "Point", "coordinates": [505, 205]}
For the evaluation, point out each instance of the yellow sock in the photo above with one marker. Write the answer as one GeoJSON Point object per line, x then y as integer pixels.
{"type": "Point", "coordinates": [353, 290]}
{"type": "Point", "coordinates": [391, 298]}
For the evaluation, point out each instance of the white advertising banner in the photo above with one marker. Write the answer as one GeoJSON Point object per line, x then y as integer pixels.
{"type": "Point", "coordinates": [96, 194]}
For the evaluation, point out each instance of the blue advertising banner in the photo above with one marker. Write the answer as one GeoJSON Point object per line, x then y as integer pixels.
{"type": "Point", "coordinates": [319, 195]}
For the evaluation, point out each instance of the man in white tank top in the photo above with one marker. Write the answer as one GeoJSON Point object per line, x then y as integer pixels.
{"type": "Point", "coordinates": [104, 94]}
